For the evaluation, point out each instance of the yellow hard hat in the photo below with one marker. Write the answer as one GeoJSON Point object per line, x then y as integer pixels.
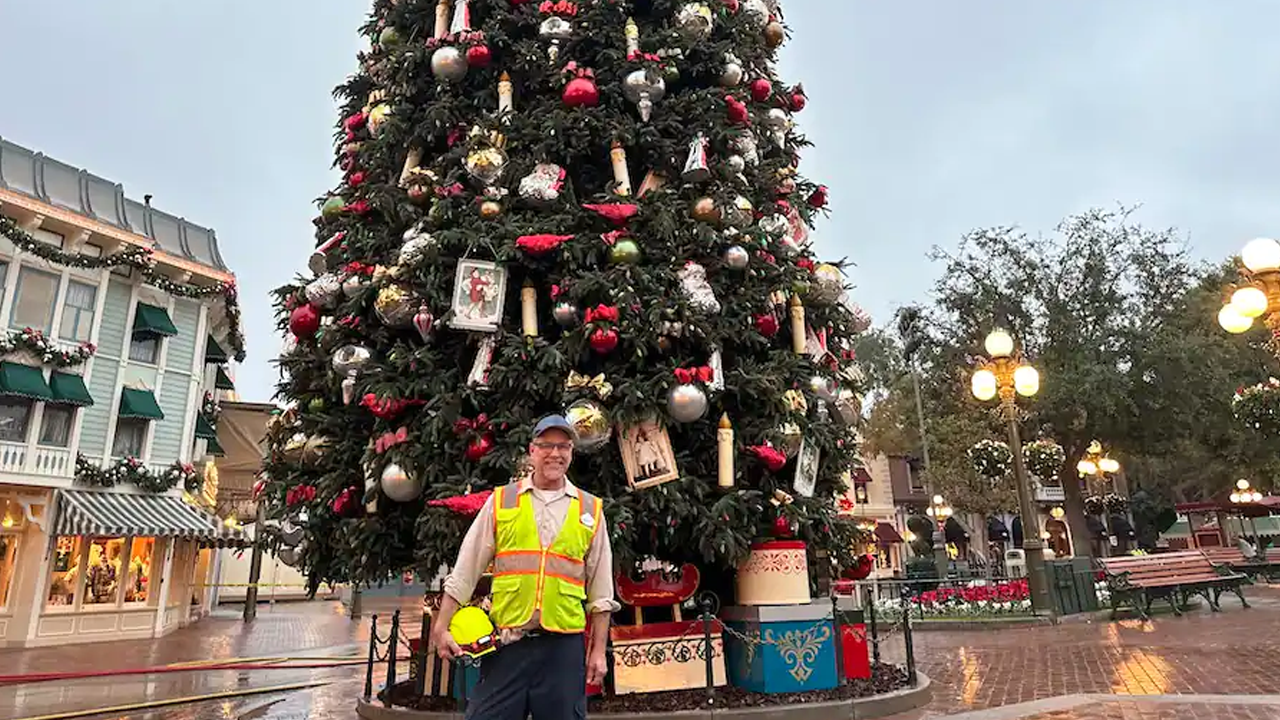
{"type": "Point", "coordinates": [473, 631]}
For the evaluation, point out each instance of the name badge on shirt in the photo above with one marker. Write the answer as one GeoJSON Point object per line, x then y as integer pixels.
{"type": "Point", "coordinates": [588, 520]}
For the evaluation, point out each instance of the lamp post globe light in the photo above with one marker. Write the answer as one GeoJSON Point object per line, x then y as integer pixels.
{"type": "Point", "coordinates": [1096, 467]}
{"type": "Point", "coordinates": [1004, 375]}
{"type": "Point", "coordinates": [1259, 296]}
{"type": "Point", "coordinates": [1242, 497]}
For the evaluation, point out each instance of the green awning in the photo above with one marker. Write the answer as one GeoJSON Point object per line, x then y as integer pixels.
{"type": "Point", "coordinates": [141, 404]}
{"type": "Point", "coordinates": [24, 381]}
{"type": "Point", "coordinates": [69, 389]}
{"type": "Point", "coordinates": [212, 447]}
{"type": "Point", "coordinates": [204, 429]}
{"type": "Point", "coordinates": [223, 380]}
{"type": "Point", "coordinates": [152, 320]}
{"type": "Point", "coordinates": [213, 352]}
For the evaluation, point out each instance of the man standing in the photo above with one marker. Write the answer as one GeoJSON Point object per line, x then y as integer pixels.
{"type": "Point", "coordinates": [550, 551]}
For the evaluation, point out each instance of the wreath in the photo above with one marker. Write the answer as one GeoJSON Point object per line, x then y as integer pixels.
{"type": "Point", "coordinates": [991, 458]}
{"type": "Point", "coordinates": [1258, 406]}
{"type": "Point", "coordinates": [1044, 459]}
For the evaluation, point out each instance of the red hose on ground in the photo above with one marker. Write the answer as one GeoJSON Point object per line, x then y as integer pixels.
{"type": "Point", "coordinates": [47, 677]}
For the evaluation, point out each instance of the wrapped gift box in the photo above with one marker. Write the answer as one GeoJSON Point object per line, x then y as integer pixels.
{"type": "Point", "coordinates": [790, 648]}
{"type": "Point", "coordinates": [854, 654]}
{"type": "Point", "coordinates": [776, 573]}
{"type": "Point", "coordinates": [665, 656]}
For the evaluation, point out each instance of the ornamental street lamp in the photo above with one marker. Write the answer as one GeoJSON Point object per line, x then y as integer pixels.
{"type": "Point", "coordinates": [1005, 375]}
{"type": "Point", "coordinates": [939, 511]}
{"type": "Point", "coordinates": [1259, 296]}
{"type": "Point", "coordinates": [1242, 497]}
{"type": "Point", "coordinates": [1098, 467]}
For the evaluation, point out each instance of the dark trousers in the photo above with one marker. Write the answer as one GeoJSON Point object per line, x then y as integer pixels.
{"type": "Point", "coordinates": [544, 675]}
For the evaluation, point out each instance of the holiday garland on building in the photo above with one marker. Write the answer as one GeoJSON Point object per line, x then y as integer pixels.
{"type": "Point", "coordinates": [142, 260]}
{"type": "Point", "coordinates": [132, 471]}
{"type": "Point", "coordinates": [589, 208]}
{"type": "Point", "coordinates": [45, 349]}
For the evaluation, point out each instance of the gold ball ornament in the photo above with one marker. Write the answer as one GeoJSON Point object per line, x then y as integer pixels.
{"type": "Point", "coordinates": [490, 209]}
{"type": "Point", "coordinates": [774, 34]}
{"type": "Point", "coordinates": [591, 423]}
{"type": "Point", "coordinates": [377, 117]}
{"type": "Point", "coordinates": [827, 285]}
{"type": "Point", "coordinates": [705, 210]}
{"type": "Point", "coordinates": [313, 449]}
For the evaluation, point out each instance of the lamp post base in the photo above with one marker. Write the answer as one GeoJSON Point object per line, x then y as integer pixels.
{"type": "Point", "coordinates": [1034, 552]}
{"type": "Point", "coordinates": [940, 560]}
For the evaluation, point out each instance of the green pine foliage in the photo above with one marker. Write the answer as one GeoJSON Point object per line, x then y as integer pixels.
{"type": "Point", "coordinates": [659, 329]}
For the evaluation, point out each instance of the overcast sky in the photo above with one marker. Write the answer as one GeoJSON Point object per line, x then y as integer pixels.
{"type": "Point", "coordinates": [929, 119]}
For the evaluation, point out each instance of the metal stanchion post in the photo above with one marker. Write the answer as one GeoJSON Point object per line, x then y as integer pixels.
{"type": "Point", "coordinates": [373, 656]}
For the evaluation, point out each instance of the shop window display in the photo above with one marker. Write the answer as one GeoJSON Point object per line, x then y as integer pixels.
{"type": "Point", "coordinates": [8, 564]}
{"type": "Point", "coordinates": [102, 584]}
{"type": "Point", "coordinates": [137, 587]}
{"type": "Point", "coordinates": [65, 572]}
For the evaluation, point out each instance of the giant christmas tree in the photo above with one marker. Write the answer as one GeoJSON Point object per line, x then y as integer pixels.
{"type": "Point", "coordinates": [592, 208]}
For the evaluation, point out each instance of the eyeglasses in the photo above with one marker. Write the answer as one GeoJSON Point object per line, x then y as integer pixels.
{"type": "Point", "coordinates": [562, 446]}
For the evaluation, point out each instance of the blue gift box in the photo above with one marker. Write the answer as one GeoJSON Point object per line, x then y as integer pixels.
{"type": "Point", "coordinates": [788, 648]}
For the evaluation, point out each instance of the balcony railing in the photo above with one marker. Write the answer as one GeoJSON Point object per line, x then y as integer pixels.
{"type": "Point", "coordinates": [42, 461]}
{"type": "Point", "coordinates": [1049, 493]}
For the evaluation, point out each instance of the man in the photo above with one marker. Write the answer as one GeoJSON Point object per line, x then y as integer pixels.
{"type": "Point", "coordinates": [550, 549]}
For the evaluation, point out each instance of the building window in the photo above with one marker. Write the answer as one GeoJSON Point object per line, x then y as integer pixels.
{"type": "Point", "coordinates": [55, 426]}
{"type": "Point", "coordinates": [65, 572]}
{"type": "Point", "coordinates": [131, 434]}
{"type": "Point", "coordinates": [12, 520]}
{"type": "Point", "coordinates": [77, 311]}
{"type": "Point", "coordinates": [145, 350]}
{"type": "Point", "coordinates": [137, 588]}
{"type": "Point", "coordinates": [48, 237]}
{"type": "Point", "coordinates": [916, 478]}
{"type": "Point", "coordinates": [91, 250]}
{"type": "Point", "coordinates": [102, 584]}
{"type": "Point", "coordinates": [33, 300]}
{"type": "Point", "coordinates": [15, 413]}
{"type": "Point", "coordinates": [4, 277]}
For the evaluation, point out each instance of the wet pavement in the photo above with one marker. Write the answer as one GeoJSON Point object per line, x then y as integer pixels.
{"type": "Point", "coordinates": [1204, 666]}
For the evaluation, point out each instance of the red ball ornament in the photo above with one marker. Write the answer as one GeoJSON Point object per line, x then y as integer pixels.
{"type": "Point", "coordinates": [478, 56]}
{"type": "Point", "coordinates": [798, 101]}
{"type": "Point", "coordinates": [581, 92]}
{"type": "Point", "coordinates": [782, 526]}
{"type": "Point", "coordinates": [818, 199]}
{"type": "Point", "coordinates": [731, 6]}
{"type": "Point", "coordinates": [304, 321]}
{"type": "Point", "coordinates": [604, 340]}
{"type": "Point", "coordinates": [479, 447]}
{"type": "Point", "coordinates": [767, 325]}
{"type": "Point", "coordinates": [737, 110]}
{"type": "Point", "coordinates": [761, 89]}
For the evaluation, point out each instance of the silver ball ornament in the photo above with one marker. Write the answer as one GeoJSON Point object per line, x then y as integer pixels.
{"type": "Point", "coordinates": [828, 284]}
{"type": "Point", "coordinates": [352, 286]}
{"type": "Point", "coordinates": [734, 165]}
{"type": "Point", "coordinates": [693, 20]}
{"type": "Point", "coordinates": [775, 225]}
{"type": "Point", "coordinates": [351, 359]}
{"type": "Point", "coordinates": [324, 291]}
{"type": "Point", "coordinates": [291, 534]}
{"type": "Point", "coordinates": [687, 403]}
{"type": "Point", "coordinates": [448, 64]}
{"type": "Point", "coordinates": [399, 485]}
{"type": "Point", "coordinates": [565, 314]}
{"type": "Point", "coordinates": [737, 257]}
{"type": "Point", "coordinates": [290, 556]}
{"type": "Point", "coordinates": [732, 75]}
{"type": "Point", "coordinates": [756, 11]}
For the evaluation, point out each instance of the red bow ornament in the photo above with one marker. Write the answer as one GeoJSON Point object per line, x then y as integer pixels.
{"type": "Point", "coordinates": [390, 440]}
{"type": "Point", "coordinates": [703, 374]}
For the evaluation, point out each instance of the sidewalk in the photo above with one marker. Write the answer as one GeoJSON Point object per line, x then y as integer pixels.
{"type": "Point", "coordinates": [312, 629]}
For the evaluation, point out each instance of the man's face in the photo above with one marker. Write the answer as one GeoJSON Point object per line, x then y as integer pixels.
{"type": "Point", "coordinates": [551, 453]}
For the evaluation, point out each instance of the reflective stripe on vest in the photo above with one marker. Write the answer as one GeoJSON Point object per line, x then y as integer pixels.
{"type": "Point", "coordinates": [529, 578]}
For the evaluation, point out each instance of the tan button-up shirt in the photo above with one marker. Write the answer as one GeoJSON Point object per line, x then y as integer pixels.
{"type": "Point", "coordinates": [550, 508]}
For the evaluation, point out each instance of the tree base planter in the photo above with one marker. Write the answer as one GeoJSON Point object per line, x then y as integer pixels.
{"type": "Point", "coordinates": [887, 693]}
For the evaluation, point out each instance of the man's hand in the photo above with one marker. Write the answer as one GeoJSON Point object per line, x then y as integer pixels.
{"type": "Point", "coordinates": [597, 667]}
{"type": "Point", "coordinates": [443, 642]}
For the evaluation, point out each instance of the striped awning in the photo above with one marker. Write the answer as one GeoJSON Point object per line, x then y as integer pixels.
{"type": "Point", "coordinates": [112, 514]}
{"type": "Point", "coordinates": [225, 536]}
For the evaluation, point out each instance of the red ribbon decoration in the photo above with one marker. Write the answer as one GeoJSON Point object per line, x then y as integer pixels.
{"type": "Point", "coordinates": [703, 374]}
{"type": "Point", "coordinates": [299, 494]}
{"type": "Point", "coordinates": [386, 408]}
{"type": "Point", "coordinates": [465, 425]}
{"type": "Point", "coordinates": [772, 458]}
{"type": "Point", "coordinates": [601, 313]}
{"type": "Point", "coordinates": [563, 7]}
{"type": "Point", "coordinates": [390, 440]}
{"type": "Point", "coordinates": [355, 267]}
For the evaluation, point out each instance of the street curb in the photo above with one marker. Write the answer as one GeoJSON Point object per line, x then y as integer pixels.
{"type": "Point", "coordinates": [978, 624]}
{"type": "Point", "coordinates": [876, 706]}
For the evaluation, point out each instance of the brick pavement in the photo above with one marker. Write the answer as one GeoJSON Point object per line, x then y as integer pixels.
{"type": "Point", "coordinates": [1234, 652]}
{"type": "Point", "coordinates": [1108, 671]}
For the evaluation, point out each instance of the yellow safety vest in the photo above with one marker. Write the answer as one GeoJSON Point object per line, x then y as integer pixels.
{"type": "Point", "coordinates": [528, 577]}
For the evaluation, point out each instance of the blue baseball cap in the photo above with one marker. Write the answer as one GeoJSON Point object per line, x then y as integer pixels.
{"type": "Point", "coordinates": [554, 422]}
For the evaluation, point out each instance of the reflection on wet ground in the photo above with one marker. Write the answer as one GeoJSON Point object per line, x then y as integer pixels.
{"type": "Point", "coordinates": [1108, 671]}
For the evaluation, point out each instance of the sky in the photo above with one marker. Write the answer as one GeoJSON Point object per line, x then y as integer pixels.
{"type": "Point", "coordinates": [929, 119]}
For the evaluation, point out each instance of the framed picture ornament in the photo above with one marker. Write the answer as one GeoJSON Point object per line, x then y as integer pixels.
{"type": "Point", "coordinates": [647, 457]}
{"type": "Point", "coordinates": [479, 293]}
{"type": "Point", "coordinates": [806, 478]}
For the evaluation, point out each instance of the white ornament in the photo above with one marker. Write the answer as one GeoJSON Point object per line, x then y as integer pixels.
{"type": "Point", "coordinates": [693, 279]}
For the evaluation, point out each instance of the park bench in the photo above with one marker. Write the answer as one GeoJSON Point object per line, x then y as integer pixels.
{"type": "Point", "coordinates": [1266, 564]}
{"type": "Point", "coordinates": [1137, 581]}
